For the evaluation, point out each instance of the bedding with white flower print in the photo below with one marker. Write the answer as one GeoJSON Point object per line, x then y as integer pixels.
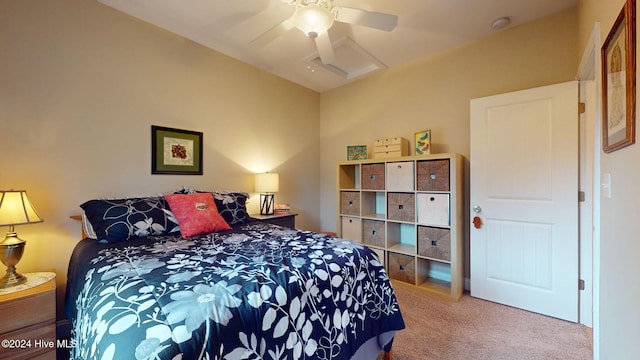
{"type": "Point", "coordinates": [258, 291]}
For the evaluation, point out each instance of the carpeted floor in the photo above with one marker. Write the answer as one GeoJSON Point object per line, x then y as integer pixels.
{"type": "Point", "coordinates": [475, 329]}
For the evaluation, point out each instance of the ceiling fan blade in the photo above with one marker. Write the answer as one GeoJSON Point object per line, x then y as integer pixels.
{"type": "Point", "coordinates": [325, 49]}
{"type": "Point", "coordinates": [372, 19]}
{"type": "Point", "coordinates": [272, 34]}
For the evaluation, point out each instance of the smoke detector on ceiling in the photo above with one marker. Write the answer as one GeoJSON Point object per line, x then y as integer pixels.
{"type": "Point", "coordinates": [501, 23]}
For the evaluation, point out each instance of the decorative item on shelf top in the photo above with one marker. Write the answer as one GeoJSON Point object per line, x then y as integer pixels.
{"type": "Point", "coordinates": [267, 184]}
{"type": "Point", "coordinates": [357, 152]}
{"type": "Point", "coordinates": [281, 209]}
{"type": "Point", "coordinates": [391, 147]}
{"type": "Point", "coordinates": [15, 209]}
{"type": "Point", "coordinates": [423, 142]}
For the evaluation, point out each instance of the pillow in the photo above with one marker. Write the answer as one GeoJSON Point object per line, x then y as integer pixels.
{"type": "Point", "coordinates": [116, 220]}
{"type": "Point", "coordinates": [231, 204]}
{"type": "Point", "coordinates": [87, 227]}
{"type": "Point", "coordinates": [196, 214]}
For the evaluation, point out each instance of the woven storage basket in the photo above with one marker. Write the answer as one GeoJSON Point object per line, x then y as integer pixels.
{"type": "Point", "coordinates": [350, 203]}
{"type": "Point", "coordinates": [433, 175]}
{"type": "Point", "coordinates": [373, 176]}
{"type": "Point", "coordinates": [401, 207]}
{"type": "Point", "coordinates": [373, 232]}
{"type": "Point", "coordinates": [434, 243]}
{"type": "Point", "coordinates": [402, 267]}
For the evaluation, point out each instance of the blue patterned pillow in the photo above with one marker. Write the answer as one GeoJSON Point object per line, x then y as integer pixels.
{"type": "Point", "coordinates": [231, 204]}
{"type": "Point", "coordinates": [116, 220]}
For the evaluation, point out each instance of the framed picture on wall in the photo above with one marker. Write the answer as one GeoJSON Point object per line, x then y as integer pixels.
{"type": "Point", "coordinates": [175, 151]}
{"type": "Point", "coordinates": [423, 142]}
{"type": "Point", "coordinates": [619, 81]}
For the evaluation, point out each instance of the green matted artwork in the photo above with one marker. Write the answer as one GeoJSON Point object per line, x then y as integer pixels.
{"type": "Point", "coordinates": [423, 142]}
{"type": "Point", "coordinates": [175, 151]}
{"type": "Point", "coordinates": [357, 152]}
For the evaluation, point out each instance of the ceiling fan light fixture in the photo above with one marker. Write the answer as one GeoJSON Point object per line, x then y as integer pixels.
{"type": "Point", "coordinates": [313, 19]}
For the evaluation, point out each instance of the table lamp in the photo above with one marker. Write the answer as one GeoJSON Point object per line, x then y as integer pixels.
{"type": "Point", "coordinates": [15, 209]}
{"type": "Point", "coordinates": [267, 184]}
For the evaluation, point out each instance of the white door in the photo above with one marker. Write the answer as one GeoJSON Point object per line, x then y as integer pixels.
{"type": "Point", "coordinates": [524, 189]}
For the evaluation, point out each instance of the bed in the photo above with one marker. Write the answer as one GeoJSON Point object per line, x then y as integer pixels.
{"type": "Point", "coordinates": [138, 287]}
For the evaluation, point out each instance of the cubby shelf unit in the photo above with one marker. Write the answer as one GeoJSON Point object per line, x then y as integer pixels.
{"type": "Point", "coordinates": [409, 210]}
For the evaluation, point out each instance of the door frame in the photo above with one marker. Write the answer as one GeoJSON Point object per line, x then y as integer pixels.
{"type": "Point", "coordinates": [589, 71]}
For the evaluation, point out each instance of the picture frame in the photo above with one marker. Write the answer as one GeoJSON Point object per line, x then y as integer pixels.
{"type": "Point", "coordinates": [422, 141]}
{"type": "Point", "coordinates": [357, 152]}
{"type": "Point", "coordinates": [619, 81]}
{"type": "Point", "coordinates": [175, 151]}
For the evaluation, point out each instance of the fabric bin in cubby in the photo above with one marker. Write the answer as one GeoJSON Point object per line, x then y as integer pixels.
{"type": "Point", "coordinates": [350, 202]}
{"type": "Point", "coordinates": [373, 176]}
{"type": "Point", "coordinates": [433, 175]}
{"type": "Point", "coordinates": [400, 176]}
{"type": "Point", "coordinates": [401, 267]}
{"type": "Point", "coordinates": [351, 228]}
{"type": "Point", "coordinates": [433, 209]}
{"type": "Point", "coordinates": [434, 242]}
{"type": "Point", "coordinates": [373, 232]}
{"type": "Point", "coordinates": [401, 207]}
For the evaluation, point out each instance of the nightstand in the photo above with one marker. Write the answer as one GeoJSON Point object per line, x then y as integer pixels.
{"type": "Point", "coordinates": [286, 220]}
{"type": "Point", "coordinates": [28, 323]}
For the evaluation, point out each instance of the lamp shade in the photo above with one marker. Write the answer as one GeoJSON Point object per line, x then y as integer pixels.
{"type": "Point", "coordinates": [16, 209]}
{"type": "Point", "coordinates": [267, 183]}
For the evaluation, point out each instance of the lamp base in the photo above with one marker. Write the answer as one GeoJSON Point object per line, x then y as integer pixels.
{"type": "Point", "coordinates": [11, 249]}
{"type": "Point", "coordinates": [266, 204]}
{"type": "Point", "coordinates": [12, 278]}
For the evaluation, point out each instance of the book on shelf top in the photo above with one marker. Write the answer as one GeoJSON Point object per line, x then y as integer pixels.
{"type": "Point", "coordinates": [280, 209]}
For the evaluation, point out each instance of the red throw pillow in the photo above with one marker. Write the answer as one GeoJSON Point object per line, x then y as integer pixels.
{"type": "Point", "coordinates": [196, 214]}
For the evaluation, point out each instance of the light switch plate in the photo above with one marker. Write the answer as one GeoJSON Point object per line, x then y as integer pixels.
{"type": "Point", "coordinates": [606, 185]}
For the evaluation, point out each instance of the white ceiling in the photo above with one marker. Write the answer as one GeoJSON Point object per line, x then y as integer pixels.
{"type": "Point", "coordinates": [425, 27]}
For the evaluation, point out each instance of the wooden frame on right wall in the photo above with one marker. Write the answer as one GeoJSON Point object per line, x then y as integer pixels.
{"type": "Point", "coordinates": [619, 81]}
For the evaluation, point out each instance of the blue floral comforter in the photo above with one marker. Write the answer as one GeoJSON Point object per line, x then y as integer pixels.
{"type": "Point", "coordinates": [259, 291]}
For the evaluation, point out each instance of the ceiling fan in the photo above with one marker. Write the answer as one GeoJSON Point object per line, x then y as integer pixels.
{"type": "Point", "coordinates": [315, 17]}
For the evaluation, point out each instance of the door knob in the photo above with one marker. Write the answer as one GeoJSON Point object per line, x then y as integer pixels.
{"type": "Point", "coordinates": [477, 209]}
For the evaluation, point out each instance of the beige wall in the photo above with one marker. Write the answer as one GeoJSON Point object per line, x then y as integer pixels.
{"type": "Point", "coordinates": [618, 313]}
{"type": "Point", "coordinates": [80, 86]}
{"type": "Point", "coordinates": [434, 94]}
